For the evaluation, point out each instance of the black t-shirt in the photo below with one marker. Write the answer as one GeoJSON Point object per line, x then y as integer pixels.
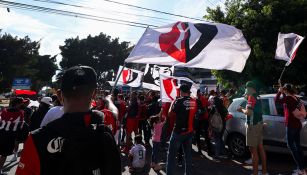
{"type": "Point", "coordinates": [153, 108]}
{"type": "Point", "coordinates": [38, 116]}
{"type": "Point", "coordinates": [28, 112]}
{"type": "Point", "coordinates": [70, 145]}
{"type": "Point", "coordinates": [185, 109]}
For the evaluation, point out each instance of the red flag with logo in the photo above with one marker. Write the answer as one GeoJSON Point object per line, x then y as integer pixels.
{"type": "Point", "coordinates": [199, 45]}
{"type": "Point", "coordinates": [170, 87]}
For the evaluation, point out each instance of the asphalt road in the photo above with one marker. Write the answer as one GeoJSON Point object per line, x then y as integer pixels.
{"type": "Point", "coordinates": [278, 164]}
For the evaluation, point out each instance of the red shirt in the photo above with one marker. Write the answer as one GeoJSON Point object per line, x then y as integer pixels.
{"type": "Point", "coordinates": [165, 110]}
{"type": "Point", "coordinates": [290, 104]}
{"type": "Point", "coordinates": [204, 105]}
{"type": "Point", "coordinates": [11, 118]}
{"type": "Point", "coordinates": [109, 120]}
{"type": "Point", "coordinates": [122, 110]}
{"type": "Point", "coordinates": [142, 111]}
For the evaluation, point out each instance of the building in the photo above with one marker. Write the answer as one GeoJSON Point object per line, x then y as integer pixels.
{"type": "Point", "coordinates": [204, 77]}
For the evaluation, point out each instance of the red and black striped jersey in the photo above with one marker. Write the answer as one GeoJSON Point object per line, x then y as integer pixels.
{"type": "Point", "coordinates": [185, 109]}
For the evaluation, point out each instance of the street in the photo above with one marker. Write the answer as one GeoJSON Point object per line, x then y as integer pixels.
{"type": "Point", "coordinates": [278, 164]}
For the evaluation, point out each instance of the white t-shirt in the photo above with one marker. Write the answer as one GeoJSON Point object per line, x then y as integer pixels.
{"type": "Point", "coordinates": [138, 152]}
{"type": "Point", "coordinates": [53, 114]}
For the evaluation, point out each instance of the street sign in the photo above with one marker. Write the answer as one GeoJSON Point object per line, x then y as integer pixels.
{"type": "Point", "coordinates": [21, 83]}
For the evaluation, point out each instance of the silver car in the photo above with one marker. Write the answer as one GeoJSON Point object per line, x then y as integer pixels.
{"type": "Point", "coordinates": [274, 138]}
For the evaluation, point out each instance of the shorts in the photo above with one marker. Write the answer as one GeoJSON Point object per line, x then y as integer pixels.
{"type": "Point", "coordinates": [7, 143]}
{"type": "Point", "coordinates": [254, 135]}
{"type": "Point", "coordinates": [132, 125]}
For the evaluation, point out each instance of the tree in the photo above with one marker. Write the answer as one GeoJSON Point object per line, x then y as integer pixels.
{"type": "Point", "coordinates": [260, 22]}
{"type": "Point", "coordinates": [101, 52]}
{"type": "Point", "coordinates": [19, 58]}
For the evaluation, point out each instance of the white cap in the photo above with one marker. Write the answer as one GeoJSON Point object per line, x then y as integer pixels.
{"type": "Point", "coordinates": [47, 100]}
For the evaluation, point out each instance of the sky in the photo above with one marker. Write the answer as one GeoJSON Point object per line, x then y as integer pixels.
{"type": "Point", "coordinates": [53, 29]}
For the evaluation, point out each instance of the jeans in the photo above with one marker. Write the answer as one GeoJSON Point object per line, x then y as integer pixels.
{"type": "Point", "coordinates": [219, 144]}
{"type": "Point", "coordinates": [155, 152]}
{"type": "Point", "coordinates": [294, 143]}
{"type": "Point", "coordinates": [203, 126]}
{"type": "Point", "coordinates": [175, 142]}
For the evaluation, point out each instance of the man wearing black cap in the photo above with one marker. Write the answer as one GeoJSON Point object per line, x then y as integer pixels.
{"type": "Point", "coordinates": [185, 109]}
{"type": "Point", "coordinates": [76, 143]}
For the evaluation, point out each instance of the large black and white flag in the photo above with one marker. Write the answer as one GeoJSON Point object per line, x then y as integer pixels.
{"type": "Point", "coordinates": [199, 45]}
{"type": "Point", "coordinates": [287, 46]}
{"type": "Point", "coordinates": [152, 73]}
{"type": "Point", "coordinates": [130, 77]}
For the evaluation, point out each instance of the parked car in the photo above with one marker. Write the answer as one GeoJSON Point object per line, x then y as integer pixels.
{"type": "Point", "coordinates": [274, 138]}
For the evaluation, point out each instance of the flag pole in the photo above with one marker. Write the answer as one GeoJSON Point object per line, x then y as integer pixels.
{"type": "Point", "coordinates": [117, 77]}
{"type": "Point", "coordinates": [282, 73]}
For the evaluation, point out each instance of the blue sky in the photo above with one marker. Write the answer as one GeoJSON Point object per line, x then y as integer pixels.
{"type": "Point", "coordinates": [54, 29]}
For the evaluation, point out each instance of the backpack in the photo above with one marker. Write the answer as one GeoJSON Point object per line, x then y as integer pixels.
{"type": "Point", "coordinates": [88, 151]}
{"type": "Point", "coordinates": [216, 122]}
{"type": "Point", "coordinates": [300, 111]}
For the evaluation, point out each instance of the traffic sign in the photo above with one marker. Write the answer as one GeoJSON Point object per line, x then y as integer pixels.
{"type": "Point", "coordinates": [21, 83]}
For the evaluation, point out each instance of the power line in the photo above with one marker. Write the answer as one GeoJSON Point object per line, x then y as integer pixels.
{"type": "Point", "coordinates": [153, 10]}
{"type": "Point", "coordinates": [92, 8]}
{"type": "Point", "coordinates": [73, 14]}
{"type": "Point", "coordinates": [210, 3]}
{"type": "Point", "coordinates": [152, 20]}
{"type": "Point", "coordinates": [37, 10]}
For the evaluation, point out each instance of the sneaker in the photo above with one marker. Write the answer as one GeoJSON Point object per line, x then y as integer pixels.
{"type": "Point", "coordinates": [249, 161]}
{"type": "Point", "coordinates": [157, 167]}
{"type": "Point", "coordinates": [14, 159]}
{"type": "Point", "coordinates": [3, 173]}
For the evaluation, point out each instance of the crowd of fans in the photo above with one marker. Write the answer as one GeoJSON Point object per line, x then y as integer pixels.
{"type": "Point", "coordinates": [67, 128]}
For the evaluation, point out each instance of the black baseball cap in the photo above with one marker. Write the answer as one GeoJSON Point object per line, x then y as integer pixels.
{"type": "Point", "coordinates": [185, 88]}
{"type": "Point", "coordinates": [78, 76]}
{"type": "Point", "coordinates": [16, 101]}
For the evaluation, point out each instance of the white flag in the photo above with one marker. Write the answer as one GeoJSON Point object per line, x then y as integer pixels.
{"type": "Point", "coordinates": [130, 77]}
{"type": "Point", "coordinates": [152, 73]}
{"type": "Point", "coordinates": [170, 87]}
{"type": "Point", "coordinates": [287, 46]}
{"type": "Point", "coordinates": [199, 45]}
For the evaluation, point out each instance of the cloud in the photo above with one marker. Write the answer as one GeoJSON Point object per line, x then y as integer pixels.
{"type": "Point", "coordinates": [19, 23]}
{"type": "Point", "coordinates": [54, 29]}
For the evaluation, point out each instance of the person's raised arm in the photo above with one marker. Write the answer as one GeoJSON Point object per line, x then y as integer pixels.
{"type": "Point", "coordinates": [278, 98]}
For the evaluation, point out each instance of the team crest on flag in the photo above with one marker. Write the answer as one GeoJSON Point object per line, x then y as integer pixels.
{"type": "Point", "coordinates": [198, 45]}
{"type": "Point", "coordinates": [287, 46]}
{"type": "Point", "coordinates": [170, 87]}
{"type": "Point", "coordinates": [152, 73]}
{"type": "Point", "coordinates": [130, 77]}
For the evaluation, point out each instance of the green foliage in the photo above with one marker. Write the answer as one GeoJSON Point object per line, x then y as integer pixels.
{"type": "Point", "coordinates": [260, 22]}
{"type": "Point", "coordinates": [19, 58]}
{"type": "Point", "coordinates": [100, 52]}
